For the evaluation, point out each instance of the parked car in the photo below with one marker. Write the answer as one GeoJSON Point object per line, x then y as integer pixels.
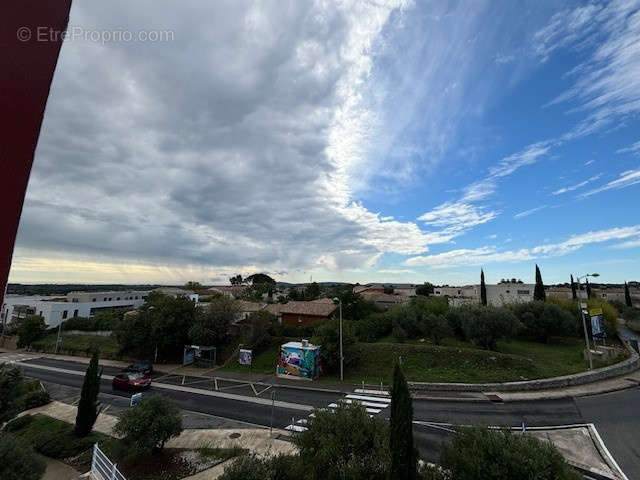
{"type": "Point", "coordinates": [143, 366]}
{"type": "Point", "coordinates": [131, 381]}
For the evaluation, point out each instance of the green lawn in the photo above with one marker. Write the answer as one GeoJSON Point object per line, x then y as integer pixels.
{"type": "Point", "coordinates": [78, 344]}
{"type": "Point", "coordinates": [454, 361]}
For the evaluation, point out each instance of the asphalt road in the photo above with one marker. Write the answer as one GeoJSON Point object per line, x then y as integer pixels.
{"type": "Point", "coordinates": [615, 415]}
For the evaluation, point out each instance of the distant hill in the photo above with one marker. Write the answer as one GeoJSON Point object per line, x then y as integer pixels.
{"type": "Point", "coordinates": [63, 289]}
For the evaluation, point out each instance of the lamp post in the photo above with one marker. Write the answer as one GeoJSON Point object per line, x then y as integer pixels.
{"type": "Point", "coordinates": [582, 313]}
{"type": "Point", "coordinates": [339, 302]}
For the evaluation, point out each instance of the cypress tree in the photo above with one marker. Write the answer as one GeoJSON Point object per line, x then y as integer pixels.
{"type": "Point", "coordinates": [483, 289]}
{"type": "Point", "coordinates": [588, 289]}
{"type": "Point", "coordinates": [403, 456]}
{"type": "Point", "coordinates": [627, 296]}
{"type": "Point", "coordinates": [574, 294]}
{"type": "Point", "coordinates": [88, 405]}
{"type": "Point", "coordinates": [538, 292]}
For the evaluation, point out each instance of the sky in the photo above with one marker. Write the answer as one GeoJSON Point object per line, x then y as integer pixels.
{"type": "Point", "coordinates": [382, 141]}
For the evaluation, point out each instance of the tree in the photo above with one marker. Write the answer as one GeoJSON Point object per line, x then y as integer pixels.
{"type": "Point", "coordinates": [484, 326]}
{"type": "Point", "coordinates": [212, 323]}
{"type": "Point", "coordinates": [354, 306]}
{"type": "Point", "coordinates": [88, 406]}
{"type": "Point", "coordinates": [258, 278]}
{"type": "Point", "coordinates": [538, 291]}
{"type": "Point", "coordinates": [627, 296]}
{"type": "Point", "coordinates": [253, 467]}
{"type": "Point", "coordinates": [542, 320]}
{"type": "Point", "coordinates": [483, 289]}
{"type": "Point", "coordinates": [312, 291]}
{"type": "Point", "coordinates": [574, 293]}
{"type": "Point", "coordinates": [18, 461]}
{"type": "Point", "coordinates": [193, 286]}
{"type": "Point", "coordinates": [588, 289]}
{"type": "Point", "coordinates": [425, 289]}
{"type": "Point", "coordinates": [149, 425]}
{"type": "Point", "coordinates": [30, 329]}
{"type": "Point", "coordinates": [328, 335]}
{"type": "Point", "coordinates": [236, 280]}
{"type": "Point", "coordinates": [403, 455]}
{"type": "Point", "coordinates": [344, 443]}
{"type": "Point", "coordinates": [17, 393]}
{"type": "Point", "coordinates": [487, 454]}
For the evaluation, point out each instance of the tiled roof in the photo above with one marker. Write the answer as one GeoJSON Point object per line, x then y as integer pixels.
{"type": "Point", "coordinates": [321, 308]}
{"type": "Point", "coordinates": [246, 306]}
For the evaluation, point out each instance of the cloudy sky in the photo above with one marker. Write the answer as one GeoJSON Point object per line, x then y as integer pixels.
{"type": "Point", "coordinates": [356, 141]}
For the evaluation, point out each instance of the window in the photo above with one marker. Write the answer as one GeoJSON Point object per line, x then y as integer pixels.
{"type": "Point", "coordinates": [437, 292]}
{"type": "Point", "coordinates": [74, 300]}
{"type": "Point", "coordinates": [75, 312]}
{"type": "Point", "coordinates": [136, 297]}
{"type": "Point", "coordinates": [93, 300]}
{"type": "Point", "coordinates": [64, 314]}
{"type": "Point", "coordinates": [508, 291]}
{"type": "Point", "coordinates": [118, 298]}
{"type": "Point", "coordinates": [523, 292]}
{"type": "Point", "coordinates": [40, 313]}
{"type": "Point", "coordinates": [105, 299]}
{"type": "Point", "coordinates": [110, 298]}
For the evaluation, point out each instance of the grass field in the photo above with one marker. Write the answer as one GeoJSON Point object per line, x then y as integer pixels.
{"type": "Point", "coordinates": [78, 344]}
{"type": "Point", "coordinates": [454, 361]}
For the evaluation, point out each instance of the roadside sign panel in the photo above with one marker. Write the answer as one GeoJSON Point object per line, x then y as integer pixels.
{"type": "Point", "coordinates": [245, 357]}
{"type": "Point", "coordinates": [136, 398]}
{"type": "Point", "coordinates": [596, 323]}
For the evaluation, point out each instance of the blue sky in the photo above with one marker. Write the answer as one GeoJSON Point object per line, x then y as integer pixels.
{"type": "Point", "coordinates": [385, 141]}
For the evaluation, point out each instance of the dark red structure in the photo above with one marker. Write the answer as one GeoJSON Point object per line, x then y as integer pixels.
{"type": "Point", "coordinates": [30, 41]}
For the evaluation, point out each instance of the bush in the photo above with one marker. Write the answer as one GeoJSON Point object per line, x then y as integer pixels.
{"type": "Point", "coordinates": [18, 461]}
{"type": "Point", "coordinates": [631, 314]}
{"type": "Point", "coordinates": [30, 329]}
{"type": "Point", "coordinates": [100, 322]}
{"type": "Point", "coordinates": [328, 335]}
{"type": "Point", "coordinates": [399, 333]}
{"type": "Point", "coordinates": [344, 444]}
{"type": "Point", "coordinates": [435, 327]}
{"type": "Point", "coordinates": [149, 425]}
{"type": "Point", "coordinates": [18, 423]}
{"type": "Point", "coordinates": [374, 327]}
{"type": "Point", "coordinates": [35, 398]}
{"type": "Point", "coordinates": [252, 467]}
{"type": "Point", "coordinates": [541, 320]}
{"type": "Point", "coordinates": [53, 438]}
{"type": "Point", "coordinates": [484, 326]}
{"type": "Point", "coordinates": [479, 454]}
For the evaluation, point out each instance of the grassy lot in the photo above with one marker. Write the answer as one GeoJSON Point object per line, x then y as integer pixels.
{"type": "Point", "coordinates": [56, 439]}
{"type": "Point", "coordinates": [454, 361]}
{"type": "Point", "coordinates": [79, 344]}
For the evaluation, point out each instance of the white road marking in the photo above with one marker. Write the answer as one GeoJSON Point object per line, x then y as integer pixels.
{"type": "Point", "coordinates": [369, 399]}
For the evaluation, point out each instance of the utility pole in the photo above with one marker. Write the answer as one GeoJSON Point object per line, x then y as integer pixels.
{"type": "Point", "coordinates": [584, 312]}
{"type": "Point", "coordinates": [339, 302]}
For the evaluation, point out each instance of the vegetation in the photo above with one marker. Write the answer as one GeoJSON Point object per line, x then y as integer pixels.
{"type": "Point", "coordinates": [485, 325]}
{"type": "Point", "coordinates": [538, 292]}
{"type": "Point", "coordinates": [344, 444]}
{"type": "Point", "coordinates": [403, 455]}
{"type": "Point", "coordinates": [627, 296]}
{"type": "Point", "coordinates": [78, 344]}
{"type": "Point", "coordinates": [30, 329]}
{"type": "Point", "coordinates": [483, 289]}
{"type": "Point", "coordinates": [541, 321]}
{"type": "Point", "coordinates": [574, 293]}
{"type": "Point", "coordinates": [100, 322]}
{"type": "Point", "coordinates": [148, 426]}
{"type": "Point", "coordinates": [328, 335]}
{"type": "Point", "coordinates": [18, 394]}
{"type": "Point", "coordinates": [211, 325]}
{"type": "Point", "coordinates": [425, 289]}
{"type": "Point", "coordinates": [88, 408]}
{"type": "Point", "coordinates": [252, 467]}
{"type": "Point", "coordinates": [18, 460]}
{"type": "Point", "coordinates": [479, 454]}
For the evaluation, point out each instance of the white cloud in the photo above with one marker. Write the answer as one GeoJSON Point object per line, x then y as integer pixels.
{"type": "Point", "coordinates": [571, 188]}
{"type": "Point", "coordinates": [628, 178]}
{"type": "Point", "coordinates": [531, 211]}
{"type": "Point", "coordinates": [456, 218]}
{"type": "Point", "coordinates": [490, 254]}
{"type": "Point", "coordinates": [528, 156]}
{"type": "Point", "coordinates": [626, 245]}
{"type": "Point", "coordinates": [635, 149]}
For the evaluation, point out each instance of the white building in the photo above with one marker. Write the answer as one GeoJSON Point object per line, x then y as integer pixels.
{"type": "Point", "coordinates": [179, 292]}
{"type": "Point", "coordinates": [76, 304]}
{"type": "Point", "coordinates": [497, 295]}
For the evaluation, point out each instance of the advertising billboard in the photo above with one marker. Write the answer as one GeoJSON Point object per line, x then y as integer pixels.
{"type": "Point", "coordinates": [245, 357]}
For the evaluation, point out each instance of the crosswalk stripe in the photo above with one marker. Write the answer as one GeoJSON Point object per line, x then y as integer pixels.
{"type": "Point", "coordinates": [367, 404]}
{"type": "Point", "coordinates": [369, 398]}
{"type": "Point", "coordinates": [368, 410]}
{"type": "Point", "coordinates": [295, 428]}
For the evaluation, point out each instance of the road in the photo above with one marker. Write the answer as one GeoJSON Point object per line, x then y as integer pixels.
{"type": "Point", "coordinates": [615, 415]}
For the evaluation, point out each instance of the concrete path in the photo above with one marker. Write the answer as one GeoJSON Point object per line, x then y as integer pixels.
{"type": "Point", "coordinates": [57, 470]}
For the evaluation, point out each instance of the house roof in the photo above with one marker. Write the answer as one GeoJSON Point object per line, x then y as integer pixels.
{"type": "Point", "coordinates": [385, 297]}
{"type": "Point", "coordinates": [320, 308]}
{"type": "Point", "coordinates": [246, 306]}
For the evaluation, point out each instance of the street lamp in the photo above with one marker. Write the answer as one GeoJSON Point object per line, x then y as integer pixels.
{"type": "Point", "coordinates": [584, 320]}
{"type": "Point", "coordinates": [339, 302]}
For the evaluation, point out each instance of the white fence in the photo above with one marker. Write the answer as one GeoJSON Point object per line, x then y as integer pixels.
{"type": "Point", "coordinates": [102, 468]}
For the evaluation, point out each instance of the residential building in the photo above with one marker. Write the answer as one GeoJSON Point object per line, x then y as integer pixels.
{"type": "Point", "coordinates": [302, 313]}
{"type": "Point", "coordinates": [178, 292]}
{"type": "Point", "coordinates": [55, 310]}
{"type": "Point", "coordinates": [233, 291]}
{"type": "Point", "coordinates": [500, 294]}
{"type": "Point", "coordinates": [385, 300]}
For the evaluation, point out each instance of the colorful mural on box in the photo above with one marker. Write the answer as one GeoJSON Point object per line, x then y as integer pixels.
{"type": "Point", "coordinates": [298, 361]}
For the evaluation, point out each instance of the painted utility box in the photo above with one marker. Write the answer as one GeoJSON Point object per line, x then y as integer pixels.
{"type": "Point", "coordinates": [298, 360]}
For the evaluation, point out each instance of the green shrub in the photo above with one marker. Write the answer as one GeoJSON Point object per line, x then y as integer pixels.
{"type": "Point", "coordinates": [252, 467]}
{"type": "Point", "coordinates": [484, 326]}
{"type": "Point", "coordinates": [541, 320]}
{"type": "Point", "coordinates": [18, 461]}
{"type": "Point", "coordinates": [344, 443]}
{"type": "Point", "coordinates": [399, 333]}
{"type": "Point", "coordinates": [35, 398]}
{"type": "Point", "coordinates": [53, 438]}
{"type": "Point", "coordinates": [30, 329]}
{"type": "Point", "coordinates": [631, 314]}
{"type": "Point", "coordinates": [485, 454]}
{"type": "Point", "coordinates": [328, 335]}
{"type": "Point", "coordinates": [374, 327]}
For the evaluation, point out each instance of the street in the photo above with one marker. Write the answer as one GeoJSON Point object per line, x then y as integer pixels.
{"type": "Point", "coordinates": [614, 414]}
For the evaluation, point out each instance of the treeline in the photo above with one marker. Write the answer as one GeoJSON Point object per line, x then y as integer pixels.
{"type": "Point", "coordinates": [63, 289]}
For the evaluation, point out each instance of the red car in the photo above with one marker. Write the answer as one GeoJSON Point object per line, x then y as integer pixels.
{"type": "Point", "coordinates": [131, 381]}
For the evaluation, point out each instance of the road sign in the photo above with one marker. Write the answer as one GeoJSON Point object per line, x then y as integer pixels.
{"type": "Point", "coordinates": [136, 398]}
{"type": "Point", "coordinates": [245, 357]}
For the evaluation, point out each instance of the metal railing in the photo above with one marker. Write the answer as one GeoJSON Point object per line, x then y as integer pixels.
{"type": "Point", "coordinates": [102, 468]}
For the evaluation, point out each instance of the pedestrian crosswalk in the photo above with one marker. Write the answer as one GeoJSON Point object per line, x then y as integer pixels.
{"type": "Point", "coordinates": [372, 404]}
{"type": "Point", "coordinates": [16, 357]}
